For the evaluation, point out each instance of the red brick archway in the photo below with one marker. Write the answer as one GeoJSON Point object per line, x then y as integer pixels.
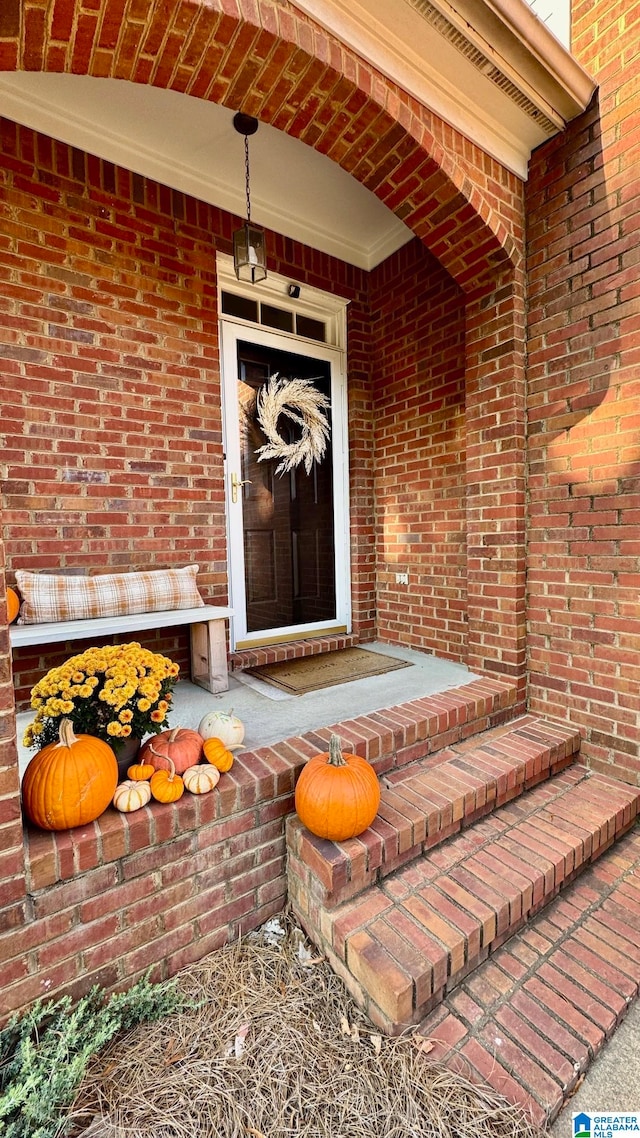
{"type": "Point", "coordinates": [277, 65]}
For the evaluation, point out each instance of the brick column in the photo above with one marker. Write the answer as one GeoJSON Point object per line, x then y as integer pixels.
{"type": "Point", "coordinates": [495, 476]}
{"type": "Point", "coordinates": [361, 474]}
{"type": "Point", "coordinates": [584, 551]}
{"type": "Point", "coordinates": [12, 875]}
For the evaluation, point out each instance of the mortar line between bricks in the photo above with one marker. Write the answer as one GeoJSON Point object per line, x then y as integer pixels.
{"type": "Point", "coordinates": [563, 934]}
{"type": "Point", "coordinates": [491, 839]}
{"type": "Point", "coordinates": [476, 1029]}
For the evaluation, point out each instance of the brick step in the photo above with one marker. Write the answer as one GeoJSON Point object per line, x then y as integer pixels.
{"type": "Point", "coordinates": [428, 801]}
{"type": "Point", "coordinates": [415, 935]}
{"type": "Point", "coordinates": [292, 650]}
{"type": "Point", "coordinates": [533, 1017]}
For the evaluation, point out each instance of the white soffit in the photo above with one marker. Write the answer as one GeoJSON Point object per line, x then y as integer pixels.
{"type": "Point", "coordinates": [192, 146]}
{"type": "Point", "coordinates": [490, 68]}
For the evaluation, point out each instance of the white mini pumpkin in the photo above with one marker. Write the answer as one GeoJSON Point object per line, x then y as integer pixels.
{"type": "Point", "coordinates": [130, 796]}
{"type": "Point", "coordinates": [223, 725]}
{"type": "Point", "coordinates": [200, 779]}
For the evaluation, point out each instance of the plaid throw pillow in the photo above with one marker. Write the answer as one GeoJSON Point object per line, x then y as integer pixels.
{"type": "Point", "coordinates": [47, 598]}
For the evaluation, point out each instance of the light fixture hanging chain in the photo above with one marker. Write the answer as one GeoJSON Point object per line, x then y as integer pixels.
{"type": "Point", "coordinates": [249, 256]}
{"type": "Point", "coordinates": [246, 174]}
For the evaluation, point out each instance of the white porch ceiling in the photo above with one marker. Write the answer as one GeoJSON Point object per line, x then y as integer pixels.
{"type": "Point", "coordinates": [488, 67]}
{"type": "Point", "coordinates": [192, 146]}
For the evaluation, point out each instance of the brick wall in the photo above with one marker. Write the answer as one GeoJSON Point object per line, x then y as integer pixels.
{"type": "Point", "coordinates": [111, 431]}
{"type": "Point", "coordinates": [496, 475]}
{"type": "Point", "coordinates": [279, 65]}
{"type": "Point", "coordinates": [111, 411]}
{"type": "Point", "coordinates": [12, 881]}
{"type": "Point", "coordinates": [584, 485]}
{"type": "Point", "coordinates": [419, 451]}
{"type": "Point", "coordinates": [111, 418]}
{"type": "Point", "coordinates": [157, 889]}
{"type": "Point", "coordinates": [166, 885]}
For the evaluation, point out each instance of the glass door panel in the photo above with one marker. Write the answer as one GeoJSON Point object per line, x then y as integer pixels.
{"type": "Point", "coordinates": [288, 530]}
{"type": "Point", "coordinates": [283, 523]}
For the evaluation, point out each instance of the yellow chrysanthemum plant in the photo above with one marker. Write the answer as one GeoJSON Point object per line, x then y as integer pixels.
{"type": "Point", "coordinates": [112, 693]}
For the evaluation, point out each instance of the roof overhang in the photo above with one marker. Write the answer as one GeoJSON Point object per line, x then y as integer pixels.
{"type": "Point", "coordinates": [490, 68]}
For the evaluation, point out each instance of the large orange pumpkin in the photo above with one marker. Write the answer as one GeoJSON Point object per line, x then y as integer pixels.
{"type": "Point", "coordinates": [337, 795]}
{"type": "Point", "coordinates": [71, 782]}
{"type": "Point", "coordinates": [13, 604]}
{"type": "Point", "coordinates": [180, 747]}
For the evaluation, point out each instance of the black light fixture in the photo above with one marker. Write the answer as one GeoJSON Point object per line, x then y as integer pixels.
{"type": "Point", "coordinates": [249, 253]}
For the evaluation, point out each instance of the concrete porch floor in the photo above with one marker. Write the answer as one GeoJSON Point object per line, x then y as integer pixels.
{"type": "Point", "coordinates": [270, 715]}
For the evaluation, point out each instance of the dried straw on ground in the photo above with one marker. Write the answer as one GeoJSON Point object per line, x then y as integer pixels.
{"type": "Point", "coordinates": [276, 1047]}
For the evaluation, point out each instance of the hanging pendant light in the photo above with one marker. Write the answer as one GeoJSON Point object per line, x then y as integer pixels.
{"type": "Point", "coordinates": [249, 253]}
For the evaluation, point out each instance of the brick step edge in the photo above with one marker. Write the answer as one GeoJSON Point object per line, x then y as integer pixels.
{"type": "Point", "coordinates": [530, 1021]}
{"type": "Point", "coordinates": [424, 804]}
{"type": "Point", "coordinates": [246, 658]}
{"type": "Point", "coordinates": [405, 943]}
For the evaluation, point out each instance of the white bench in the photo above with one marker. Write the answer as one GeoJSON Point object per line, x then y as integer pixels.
{"type": "Point", "coordinates": [207, 627]}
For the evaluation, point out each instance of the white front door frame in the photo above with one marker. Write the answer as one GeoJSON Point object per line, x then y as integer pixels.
{"type": "Point", "coordinates": [233, 330]}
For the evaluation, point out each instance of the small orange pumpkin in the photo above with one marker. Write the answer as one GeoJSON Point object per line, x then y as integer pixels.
{"type": "Point", "coordinates": [71, 782]}
{"type": "Point", "coordinates": [166, 785]}
{"type": "Point", "coordinates": [140, 772]}
{"type": "Point", "coordinates": [13, 605]}
{"type": "Point", "coordinates": [217, 754]}
{"type": "Point", "coordinates": [180, 746]}
{"type": "Point", "coordinates": [337, 795]}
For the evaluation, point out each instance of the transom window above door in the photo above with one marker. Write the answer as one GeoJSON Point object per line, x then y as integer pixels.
{"type": "Point", "coordinates": [271, 316]}
{"type": "Point", "coordinates": [282, 305]}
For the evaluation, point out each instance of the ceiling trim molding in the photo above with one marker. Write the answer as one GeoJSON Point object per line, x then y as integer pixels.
{"type": "Point", "coordinates": [518, 55]}
{"type": "Point", "coordinates": [79, 130]}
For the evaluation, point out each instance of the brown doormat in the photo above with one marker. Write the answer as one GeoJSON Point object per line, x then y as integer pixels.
{"type": "Point", "coordinates": [310, 673]}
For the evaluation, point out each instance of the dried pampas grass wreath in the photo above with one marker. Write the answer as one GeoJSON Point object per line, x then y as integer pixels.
{"type": "Point", "coordinates": [302, 403]}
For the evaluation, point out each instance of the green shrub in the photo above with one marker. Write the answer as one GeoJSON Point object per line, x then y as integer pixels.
{"type": "Point", "coordinates": [44, 1052]}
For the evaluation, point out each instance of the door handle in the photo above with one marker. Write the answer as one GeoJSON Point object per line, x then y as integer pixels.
{"type": "Point", "coordinates": [236, 483]}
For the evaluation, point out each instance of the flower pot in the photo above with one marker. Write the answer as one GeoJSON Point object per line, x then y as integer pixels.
{"type": "Point", "coordinates": [94, 707]}
{"type": "Point", "coordinates": [126, 755]}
